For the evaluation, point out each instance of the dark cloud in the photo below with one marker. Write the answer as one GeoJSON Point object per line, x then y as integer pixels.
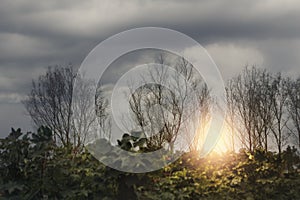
{"type": "Point", "coordinates": [36, 34]}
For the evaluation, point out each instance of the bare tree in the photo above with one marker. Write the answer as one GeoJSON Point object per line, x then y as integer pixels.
{"type": "Point", "coordinates": [157, 111]}
{"type": "Point", "coordinates": [90, 117]}
{"type": "Point", "coordinates": [103, 118]}
{"type": "Point", "coordinates": [249, 102]}
{"type": "Point", "coordinates": [257, 101]}
{"type": "Point", "coordinates": [230, 117]}
{"type": "Point", "coordinates": [265, 116]}
{"type": "Point", "coordinates": [148, 105]}
{"type": "Point", "coordinates": [51, 103]}
{"type": "Point", "coordinates": [242, 93]}
{"type": "Point", "coordinates": [279, 102]}
{"type": "Point", "coordinates": [294, 106]}
{"type": "Point", "coordinates": [203, 109]}
{"type": "Point", "coordinates": [160, 108]}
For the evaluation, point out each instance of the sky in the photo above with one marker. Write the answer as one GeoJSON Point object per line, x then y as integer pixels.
{"type": "Point", "coordinates": [38, 34]}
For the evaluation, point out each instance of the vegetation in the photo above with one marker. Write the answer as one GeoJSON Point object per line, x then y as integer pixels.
{"type": "Point", "coordinates": [263, 115]}
{"type": "Point", "coordinates": [32, 166]}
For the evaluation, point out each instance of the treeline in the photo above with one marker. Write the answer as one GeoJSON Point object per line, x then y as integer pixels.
{"type": "Point", "coordinates": [74, 121]}
{"type": "Point", "coordinates": [263, 110]}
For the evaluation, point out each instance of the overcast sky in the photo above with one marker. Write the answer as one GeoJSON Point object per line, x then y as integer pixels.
{"type": "Point", "coordinates": [37, 34]}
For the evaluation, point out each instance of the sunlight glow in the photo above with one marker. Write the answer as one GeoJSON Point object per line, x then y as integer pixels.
{"type": "Point", "coordinates": [225, 142]}
{"type": "Point", "coordinates": [222, 145]}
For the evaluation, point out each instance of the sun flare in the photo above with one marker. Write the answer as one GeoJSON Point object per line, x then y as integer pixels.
{"type": "Point", "coordinates": [222, 143]}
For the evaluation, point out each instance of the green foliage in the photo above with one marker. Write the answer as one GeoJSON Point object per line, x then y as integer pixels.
{"type": "Point", "coordinates": [232, 176]}
{"type": "Point", "coordinates": [32, 166]}
{"type": "Point", "coordinates": [126, 182]}
{"type": "Point", "coordinates": [133, 143]}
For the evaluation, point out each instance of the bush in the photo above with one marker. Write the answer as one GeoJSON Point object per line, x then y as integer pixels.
{"type": "Point", "coordinates": [32, 166]}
